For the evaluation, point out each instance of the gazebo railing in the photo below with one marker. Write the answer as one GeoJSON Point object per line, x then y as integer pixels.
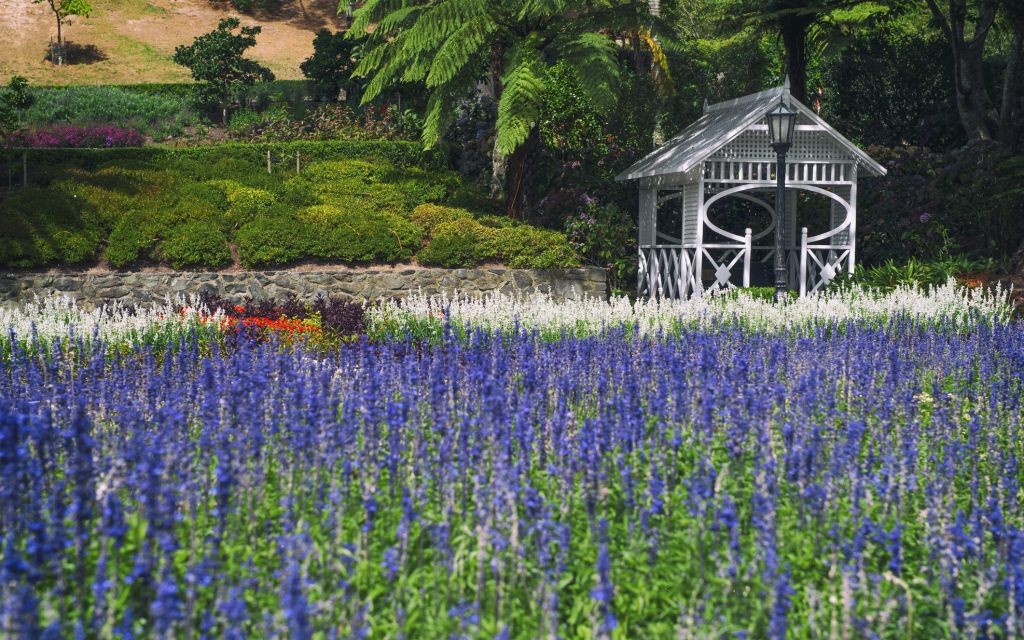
{"type": "Point", "coordinates": [676, 270]}
{"type": "Point", "coordinates": [821, 262]}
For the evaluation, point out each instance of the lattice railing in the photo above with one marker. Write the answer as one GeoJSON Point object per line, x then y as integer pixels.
{"type": "Point", "coordinates": [676, 271]}
{"type": "Point", "coordinates": [765, 172]}
{"type": "Point", "coordinates": [821, 263]}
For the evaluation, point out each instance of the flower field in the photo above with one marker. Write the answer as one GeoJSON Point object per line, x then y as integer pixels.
{"type": "Point", "coordinates": [506, 469]}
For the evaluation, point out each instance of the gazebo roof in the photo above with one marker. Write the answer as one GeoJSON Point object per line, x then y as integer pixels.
{"type": "Point", "coordinates": [720, 124]}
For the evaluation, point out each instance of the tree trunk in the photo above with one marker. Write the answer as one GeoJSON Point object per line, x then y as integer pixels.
{"type": "Point", "coordinates": [793, 29]}
{"type": "Point", "coordinates": [1017, 263]}
{"type": "Point", "coordinates": [499, 161]}
{"type": "Point", "coordinates": [972, 99]}
{"type": "Point", "coordinates": [1011, 85]}
{"type": "Point", "coordinates": [499, 168]}
{"type": "Point", "coordinates": [517, 197]}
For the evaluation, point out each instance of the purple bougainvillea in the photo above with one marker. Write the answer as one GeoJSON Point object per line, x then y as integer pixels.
{"type": "Point", "coordinates": [73, 136]}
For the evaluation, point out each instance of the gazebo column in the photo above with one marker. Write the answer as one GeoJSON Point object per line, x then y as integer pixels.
{"type": "Point", "coordinates": [647, 224]}
{"type": "Point", "coordinates": [791, 239]}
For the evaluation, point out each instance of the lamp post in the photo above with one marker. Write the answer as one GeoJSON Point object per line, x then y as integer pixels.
{"type": "Point", "coordinates": [781, 124]}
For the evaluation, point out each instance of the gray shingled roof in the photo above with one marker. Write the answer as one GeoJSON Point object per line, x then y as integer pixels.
{"type": "Point", "coordinates": [718, 126]}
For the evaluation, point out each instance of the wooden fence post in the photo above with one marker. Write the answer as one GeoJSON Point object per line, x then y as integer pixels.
{"type": "Point", "coordinates": [298, 169]}
{"type": "Point", "coordinates": [268, 161]}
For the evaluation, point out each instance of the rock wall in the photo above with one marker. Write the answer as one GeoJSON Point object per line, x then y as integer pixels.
{"type": "Point", "coordinates": [91, 289]}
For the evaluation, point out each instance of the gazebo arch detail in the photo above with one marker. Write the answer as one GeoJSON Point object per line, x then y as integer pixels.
{"type": "Point", "coordinates": [727, 153]}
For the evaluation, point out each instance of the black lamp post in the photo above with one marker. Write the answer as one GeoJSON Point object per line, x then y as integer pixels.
{"type": "Point", "coordinates": [781, 124]}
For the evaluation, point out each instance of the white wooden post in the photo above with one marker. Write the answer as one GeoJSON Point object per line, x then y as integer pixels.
{"type": "Point", "coordinates": [853, 221]}
{"type": "Point", "coordinates": [747, 240]}
{"type": "Point", "coordinates": [698, 254]}
{"type": "Point", "coordinates": [647, 230]}
{"type": "Point", "coordinates": [803, 262]}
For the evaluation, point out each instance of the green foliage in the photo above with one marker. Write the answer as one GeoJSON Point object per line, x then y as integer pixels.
{"type": "Point", "coordinates": [605, 236]}
{"type": "Point", "coordinates": [217, 63]}
{"type": "Point", "coordinates": [15, 98]}
{"type": "Point", "coordinates": [159, 114]}
{"type": "Point", "coordinates": [429, 216]}
{"type": "Point", "coordinates": [459, 242]}
{"type": "Point", "coordinates": [526, 247]}
{"type": "Point", "coordinates": [271, 240]}
{"type": "Point", "coordinates": [184, 207]}
{"type": "Point", "coordinates": [132, 239]}
{"type": "Point", "coordinates": [248, 6]}
{"type": "Point", "coordinates": [199, 243]}
{"type": "Point", "coordinates": [967, 203]}
{"type": "Point", "coordinates": [329, 69]}
{"type": "Point", "coordinates": [891, 85]}
{"type": "Point", "coordinates": [445, 45]}
{"type": "Point", "coordinates": [351, 236]}
{"type": "Point", "coordinates": [891, 274]}
{"type": "Point", "coordinates": [44, 226]}
{"type": "Point", "coordinates": [64, 9]}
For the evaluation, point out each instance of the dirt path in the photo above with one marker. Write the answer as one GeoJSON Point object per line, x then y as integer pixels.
{"type": "Point", "coordinates": [132, 41]}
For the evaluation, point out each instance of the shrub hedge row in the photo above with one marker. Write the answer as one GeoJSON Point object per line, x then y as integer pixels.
{"type": "Point", "coordinates": [353, 202]}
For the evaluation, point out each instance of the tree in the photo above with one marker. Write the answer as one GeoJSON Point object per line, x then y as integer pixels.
{"type": "Point", "coordinates": [62, 10]}
{"type": "Point", "coordinates": [457, 46]}
{"type": "Point", "coordinates": [217, 62]}
{"type": "Point", "coordinates": [967, 25]}
{"type": "Point", "coordinates": [329, 69]}
{"type": "Point", "coordinates": [14, 99]}
{"type": "Point", "coordinates": [796, 21]}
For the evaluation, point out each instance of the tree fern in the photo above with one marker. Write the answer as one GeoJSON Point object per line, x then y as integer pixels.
{"type": "Point", "coordinates": [459, 48]}
{"type": "Point", "coordinates": [519, 107]}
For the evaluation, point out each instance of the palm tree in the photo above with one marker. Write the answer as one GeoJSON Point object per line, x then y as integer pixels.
{"type": "Point", "coordinates": [452, 45]}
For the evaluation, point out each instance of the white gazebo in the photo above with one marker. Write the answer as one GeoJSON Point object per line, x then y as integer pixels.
{"type": "Point", "coordinates": [688, 246]}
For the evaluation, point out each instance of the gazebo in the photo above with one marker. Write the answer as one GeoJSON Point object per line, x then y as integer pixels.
{"type": "Point", "coordinates": [688, 245]}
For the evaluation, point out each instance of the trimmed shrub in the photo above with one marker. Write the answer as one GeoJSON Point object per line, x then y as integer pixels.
{"type": "Point", "coordinates": [200, 243]}
{"type": "Point", "coordinates": [463, 242]}
{"type": "Point", "coordinates": [524, 247]}
{"type": "Point", "coordinates": [247, 204]}
{"type": "Point", "coordinates": [43, 226]}
{"type": "Point", "coordinates": [271, 240]}
{"type": "Point", "coordinates": [132, 239]}
{"type": "Point", "coordinates": [338, 234]}
{"type": "Point", "coordinates": [428, 216]}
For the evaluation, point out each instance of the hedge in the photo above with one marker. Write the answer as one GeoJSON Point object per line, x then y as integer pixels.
{"type": "Point", "coordinates": [399, 152]}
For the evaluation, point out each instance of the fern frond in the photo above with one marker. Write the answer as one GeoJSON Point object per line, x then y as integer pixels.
{"type": "Point", "coordinates": [435, 25]}
{"type": "Point", "coordinates": [457, 50]}
{"type": "Point", "coordinates": [522, 94]}
{"type": "Point", "coordinates": [396, 20]}
{"type": "Point", "coordinates": [593, 56]}
{"type": "Point", "coordinates": [371, 11]}
{"type": "Point", "coordinates": [536, 9]}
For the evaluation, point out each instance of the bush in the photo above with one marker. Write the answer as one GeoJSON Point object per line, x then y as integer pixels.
{"type": "Point", "coordinates": [339, 234]}
{"type": "Point", "coordinates": [429, 216]}
{"type": "Point", "coordinates": [246, 204]}
{"type": "Point", "coordinates": [462, 242]}
{"type": "Point", "coordinates": [43, 226]}
{"type": "Point", "coordinates": [73, 136]}
{"type": "Point", "coordinates": [196, 244]}
{"type": "Point", "coordinates": [271, 240]}
{"type": "Point", "coordinates": [329, 69]}
{"type": "Point", "coordinates": [935, 206]}
{"type": "Point", "coordinates": [132, 239]}
{"type": "Point", "coordinates": [605, 236]}
{"type": "Point", "coordinates": [524, 247]}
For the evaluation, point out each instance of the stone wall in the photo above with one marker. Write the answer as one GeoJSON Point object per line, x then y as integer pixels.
{"type": "Point", "coordinates": [369, 284]}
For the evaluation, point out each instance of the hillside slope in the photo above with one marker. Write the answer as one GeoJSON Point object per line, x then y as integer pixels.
{"type": "Point", "coordinates": [132, 41]}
